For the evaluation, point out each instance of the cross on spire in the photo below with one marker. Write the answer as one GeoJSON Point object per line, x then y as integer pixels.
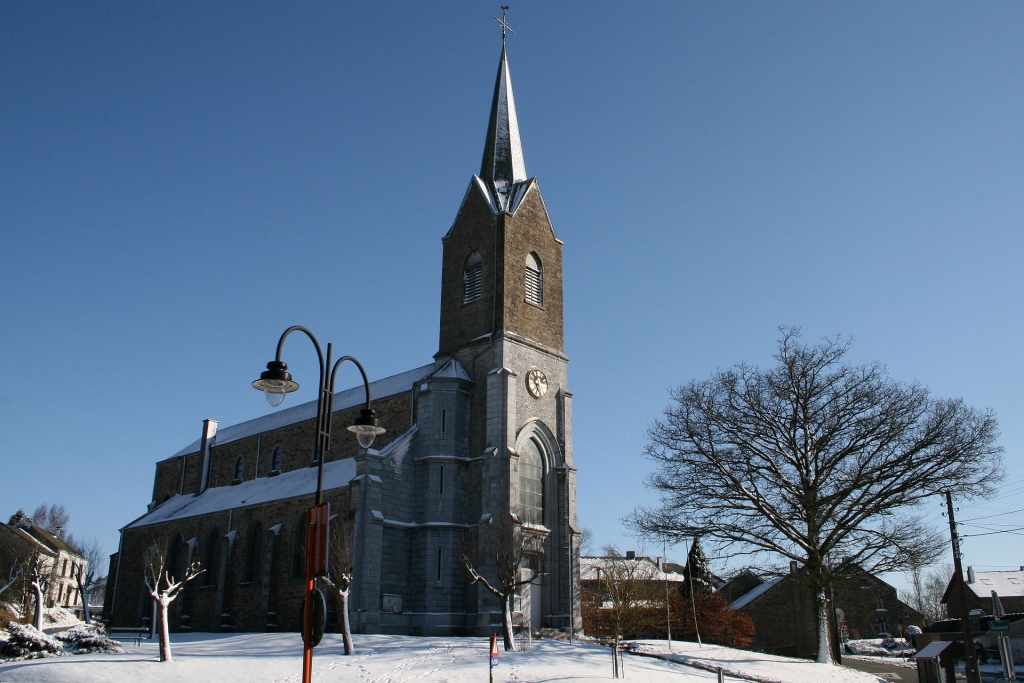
{"type": "Point", "coordinates": [504, 25]}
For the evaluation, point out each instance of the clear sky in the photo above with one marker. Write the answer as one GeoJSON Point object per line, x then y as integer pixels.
{"type": "Point", "coordinates": [181, 181]}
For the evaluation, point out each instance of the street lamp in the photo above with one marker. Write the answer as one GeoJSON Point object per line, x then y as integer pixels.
{"type": "Point", "coordinates": [276, 383]}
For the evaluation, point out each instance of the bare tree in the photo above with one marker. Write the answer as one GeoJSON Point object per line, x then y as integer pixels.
{"type": "Point", "coordinates": [586, 543]}
{"type": "Point", "coordinates": [53, 518]}
{"type": "Point", "coordinates": [927, 589]}
{"type": "Point", "coordinates": [506, 547]}
{"type": "Point", "coordinates": [164, 588]}
{"type": "Point", "coordinates": [811, 459]}
{"type": "Point", "coordinates": [39, 572]}
{"type": "Point", "coordinates": [13, 574]}
{"type": "Point", "coordinates": [340, 578]}
{"type": "Point", "coordinates": [87, 578]}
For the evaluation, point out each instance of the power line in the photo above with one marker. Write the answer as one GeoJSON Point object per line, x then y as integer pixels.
{"type": "Point", "coordinates": [999, 514]}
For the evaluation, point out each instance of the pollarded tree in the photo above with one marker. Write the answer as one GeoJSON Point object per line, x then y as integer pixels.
{"type": "Point", "coordinates": [512, 555]}
{"type": "Point", "coordinates": [164, 587]}
{"type": "Point", "coordinates": [814, 460]}
{"type": "Point", "coordinates": [341, 573]}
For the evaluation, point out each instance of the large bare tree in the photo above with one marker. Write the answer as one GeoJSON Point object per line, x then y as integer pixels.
{"type": "Point", "coordinates": [164, 587]}
{"type": "Point", "coordinates": [814, 460]}
{"type": "Point", "coordinates": [511, 555]}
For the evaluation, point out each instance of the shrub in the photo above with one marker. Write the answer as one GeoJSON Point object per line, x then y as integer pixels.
{"type": "Point", "coordinates": [23, 641]}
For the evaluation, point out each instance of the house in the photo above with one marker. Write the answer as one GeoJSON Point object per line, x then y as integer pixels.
{"type": "Point", "coordinates": [61, 562]}
{"type": "Point", "coordinates": [479, 435]}
{"type": "Point", "coordinates": [1009, 585]}
{"type": "Point", "coordinates": [783, 610]}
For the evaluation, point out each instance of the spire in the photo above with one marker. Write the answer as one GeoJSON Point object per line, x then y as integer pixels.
{"type": "Point", "coordinates": [503, 153]}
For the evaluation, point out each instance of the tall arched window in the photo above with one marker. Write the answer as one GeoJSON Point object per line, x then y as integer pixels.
{"type": "Point", "coordinates": [253, 553]}
{"type": "Point", "coordinates": [276, 459]}
{"type": "Point", "coordinates": [472, 278]}
{"type": "Point", "coordinates": [534, 280]}
{"type": "Point", "coordinates": [175, 558]}
{"type": "Point", "coordinates": [211, 557]}
{"type": "Point", "coordinates": [298, 558]}
{"type": "Point", "coordinates": [531, 483]}
{"type": "Point", "coordinates": [239, 468]}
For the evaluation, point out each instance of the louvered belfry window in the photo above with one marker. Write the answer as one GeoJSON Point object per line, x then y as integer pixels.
{"type": "Point", "coordinates": [472, 279]}
{"type": "Point", "coordinates": [534, 280]}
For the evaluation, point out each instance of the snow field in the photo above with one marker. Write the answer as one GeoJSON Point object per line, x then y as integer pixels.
{"type": "Point", "coordinates": [276, 658]}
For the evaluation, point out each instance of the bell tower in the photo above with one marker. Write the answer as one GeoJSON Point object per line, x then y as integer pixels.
{"type": "Point", "coordinates": [501, 319]}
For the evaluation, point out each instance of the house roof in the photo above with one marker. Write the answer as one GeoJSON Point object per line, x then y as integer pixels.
{"type": "Point", "coordinates": [24, 537]}
{"type": "Point", "coordinates": [1007, 584]}
{"type": "Point", "coordinates": [45, 537]}
{"type": "Point", "coordinates": [262, 490]}
{"type": "Point", "coordinates": [753, 594]}
{"type": "Point", "coordinates": [646, 568]}
{"type": "Point", "coordinates": [348, 398]}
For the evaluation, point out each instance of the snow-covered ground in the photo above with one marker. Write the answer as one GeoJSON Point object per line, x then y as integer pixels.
{"type": "Point", "coordinates": [276, 658]}
{"type": "Point", "coordinates": [755, 665]}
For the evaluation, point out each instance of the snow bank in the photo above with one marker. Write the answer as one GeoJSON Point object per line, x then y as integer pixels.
{"type": "Point", "coordinates": [58, 618]}
{"type": "Point", "coordinates": [879, 647]}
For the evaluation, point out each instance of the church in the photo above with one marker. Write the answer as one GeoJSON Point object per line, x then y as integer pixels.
{"type": "Point", "coordinates": [482, 433]}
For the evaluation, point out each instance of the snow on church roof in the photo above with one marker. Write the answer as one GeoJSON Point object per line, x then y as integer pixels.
{"type": "Point", "coordinates": [348, 398]}
{"type": "Point", "coordinates": [264, 489]}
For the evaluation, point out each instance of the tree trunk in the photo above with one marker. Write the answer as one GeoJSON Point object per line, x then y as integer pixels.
{"type": "Point", "coordinates": [37, 620]}
{"type": "Point", "coordinates": [824, 651]}
{"type": "Point", "coordinates": [165, 638]}
{"type": "Point", "coordinates": [346, 628]}
{"type": "Point", "coordinates": [83, 590]}
{"type": "Point", "coordinates": [506, 622]}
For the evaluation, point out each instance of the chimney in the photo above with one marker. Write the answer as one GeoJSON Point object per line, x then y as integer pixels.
{"type": "Point", "coordinates": [970, 575]}
{"type": "Point", "coordinates": [630, 554]}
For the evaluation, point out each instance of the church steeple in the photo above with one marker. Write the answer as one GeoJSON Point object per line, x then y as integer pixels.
{"type": "Point", "coordinates": [503, 162]}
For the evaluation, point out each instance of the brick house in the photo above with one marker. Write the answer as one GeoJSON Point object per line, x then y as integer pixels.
{"type": "Point", "coordinates": [1008, 585]}
{"type": "Point", "coordinates": [483, 431]}
{"type": "Point", "coordinates": [782, 609]}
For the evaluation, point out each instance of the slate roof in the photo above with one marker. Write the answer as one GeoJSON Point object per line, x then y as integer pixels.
{"type": "Point", "coordinates": [348, 398]}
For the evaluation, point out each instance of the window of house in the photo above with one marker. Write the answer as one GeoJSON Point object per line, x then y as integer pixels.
{"type": "Point", "coordinates": [472, 279]}
{"type": "Point", "coordinates": [64, 569]}
{"type": "Point", "coordinates": [534, 280]}
{"type": "Point", "coordinates": [531, 490]}
{"type": "Point", "coordinates": [298, 556]}
{"type": "Point", "coordinates": [444, 422]}
{"type": "Point", "coordinates": [440, 561]}
{"type": "Point", "coordinates": [275, 460]}
{"type": "Point", "coordinates": [239, 467]}
{"type": "Point", "coordinates": [211, 557]}
{"type": "Point", "coordinates": [883, 627]}
{"type": "Point", "coordinates": [880, 605]}
{"type": "Point", "coordinates": [440, 484]}
{"type": "Point", "coordinates": [253, 553]}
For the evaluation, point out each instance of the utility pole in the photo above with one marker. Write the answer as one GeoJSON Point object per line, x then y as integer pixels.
{"type": "Point", "coordinates": [668, 607]}
{"type": "Point", "coordinates": [970, 656]}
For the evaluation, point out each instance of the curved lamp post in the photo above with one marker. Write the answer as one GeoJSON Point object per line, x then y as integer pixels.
{"type": "Point", "coordinates": [275, 383]}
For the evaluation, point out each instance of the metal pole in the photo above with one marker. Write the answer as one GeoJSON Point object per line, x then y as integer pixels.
{"type": "Point", "coordinates": [322, 428]}
{"type": "Point", "coordinates": [970, 656]}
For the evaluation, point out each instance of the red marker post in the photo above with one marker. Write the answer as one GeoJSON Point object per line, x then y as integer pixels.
{"type": "Point", "coordinates": [494, 654]}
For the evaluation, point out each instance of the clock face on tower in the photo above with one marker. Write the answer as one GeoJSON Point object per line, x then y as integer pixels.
{"type": "Point", "coordinates": [536, 383]}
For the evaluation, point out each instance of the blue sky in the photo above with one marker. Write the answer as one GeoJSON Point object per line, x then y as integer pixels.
{"type": "Point", "coordinates": [179, 182]}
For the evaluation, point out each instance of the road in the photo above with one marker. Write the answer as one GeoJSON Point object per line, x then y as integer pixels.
{"type": "Point", "coordinates": [889, 672]}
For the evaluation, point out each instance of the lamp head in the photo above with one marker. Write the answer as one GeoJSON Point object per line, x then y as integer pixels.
{"type": "Point", "coordinates": [275, 382]}
{"type": "Point", "coordinates": [365, 427]}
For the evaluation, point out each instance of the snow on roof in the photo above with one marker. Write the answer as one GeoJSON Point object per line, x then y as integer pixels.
{"type": "Point", "coordinates": [1006, 584]}
{"type": "Point", "coordinates": [647, 568]}
{"type": "Point", "coordinates": [348, 398]}
{"type": "Point", "coordinates": [753, 594]}
{"type": "Point", "coordinates": [264, 489]}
